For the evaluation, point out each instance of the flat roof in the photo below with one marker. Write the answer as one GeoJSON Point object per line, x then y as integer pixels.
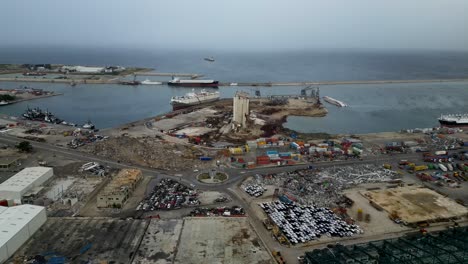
{"type": "Point", "coordinates": [13, 219]}
{"type": "Point", "coordinates": [8, 160]}
{"type": "Point", "coordinates": [24, 178]}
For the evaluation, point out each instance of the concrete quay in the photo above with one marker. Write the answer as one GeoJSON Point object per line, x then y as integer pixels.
{"type": "Point", "coordinates": [230, 84]}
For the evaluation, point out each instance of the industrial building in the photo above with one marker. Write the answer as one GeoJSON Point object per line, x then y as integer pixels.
{"type": "Point", "coordinates": [9, 163]}
{"type": "Point", "coordinates": [116, 193]}
{"type": "Point", "coordinates": [446, 247]}
{"type": "Point", "coordinates": [17, 225]}
{"type": "Point", "coordinates": [29, 180]}
{"type": "Point", "coordinates": [241, 109]}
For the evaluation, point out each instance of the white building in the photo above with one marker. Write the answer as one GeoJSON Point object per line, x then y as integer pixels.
{"type": "Point", "coordinates": [17, 225]}
{"type": "Point", "coordinates": [23, 182]}
{"type": "Point", "coordinates": [241, 109]}
{"type": "Point", "coordinates": [82, 69]}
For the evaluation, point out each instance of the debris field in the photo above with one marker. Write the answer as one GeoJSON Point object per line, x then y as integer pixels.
{"type": "Point", "coordinates": [169, 194]}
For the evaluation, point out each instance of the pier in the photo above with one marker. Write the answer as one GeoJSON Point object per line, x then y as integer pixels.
{"type": "Point", "coordinates": [228, 84]}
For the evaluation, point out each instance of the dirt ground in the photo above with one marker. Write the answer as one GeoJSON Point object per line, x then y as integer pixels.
{"type": "Point", "coordinates": [220, 240]}
{"type": "Point", "coordinates": [414, 204]}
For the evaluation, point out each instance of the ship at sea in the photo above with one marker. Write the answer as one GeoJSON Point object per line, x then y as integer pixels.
{"type": "Point", "coordinates": [190, 99]}
{"type": "Point", "coordinates": [334, 101]}
{"type": "Point", "coordinates": [210, 59]}
{"type": "Point", "coordinates": [193, 83]}
{"type": "Point", "coordinates": [454, 120]}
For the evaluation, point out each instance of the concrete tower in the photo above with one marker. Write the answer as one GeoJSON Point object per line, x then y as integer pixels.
{"type": "Point", "coordinates": [241, 108]}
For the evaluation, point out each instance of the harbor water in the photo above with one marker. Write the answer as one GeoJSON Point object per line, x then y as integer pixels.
{"type": "Point", "coordinates": [372, 107]}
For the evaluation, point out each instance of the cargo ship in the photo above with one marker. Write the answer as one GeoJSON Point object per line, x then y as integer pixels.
{"type": "Point", "coordinates": [190, 99]}
{"type": "Point", "coordinates": [454, 120]}
{"type": "Point", "coordinates": [193, 83]}
{"type": "Point", "coordinates": [334, 101]}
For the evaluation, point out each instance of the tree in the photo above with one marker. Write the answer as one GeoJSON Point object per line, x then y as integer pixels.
{"type": "Point", "coordinates": [24, 146]}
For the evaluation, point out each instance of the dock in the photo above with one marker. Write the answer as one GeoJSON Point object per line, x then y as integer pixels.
{"type": "Point", "coordinates": [228, 84]}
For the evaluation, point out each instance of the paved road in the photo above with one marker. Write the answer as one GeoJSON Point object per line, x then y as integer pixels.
{"type": "Point", "coordinates": [228, 187]}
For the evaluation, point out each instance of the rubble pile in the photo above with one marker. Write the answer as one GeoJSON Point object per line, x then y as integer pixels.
{"type": "Point", "coordinates": [169, 194]}
{"type": "Point", "coordinates": [324, 188]}
{"type": "Point", "coordinates": [219, 211]}
{"type": "Point", "coordinates": [150, 152]}
{"type": "Point", "coordinates": [83, 137]}
{"type": "Point", "coordinates": [305, 223]}
{"type": "Point", "coordinates": [254, 190]}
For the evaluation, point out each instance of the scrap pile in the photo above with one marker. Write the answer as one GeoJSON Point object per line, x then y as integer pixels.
{"type": "Point", "coordinates": [305, 223]}
{"type": "Point", "coordinates": [219, 211]}
{"type": "Point", "coordinates": [83, 137]}
{"type": "Point", "coordinates": [324, 188]}
{"type": "Point", "coordinates": [254, 190]}
{"type": "Point", "coordinates": [169, 194]}
{"type": "Point", "coordinates": [94, 168]}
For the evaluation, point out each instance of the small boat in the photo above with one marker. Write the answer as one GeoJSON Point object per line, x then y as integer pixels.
{"type": "Point", "coordinates": [88, 125]}
{"type": "Point", "coordinates": [147, 81]}
{"type": "Point", "coordinates": [134, 82]}
{"type": "Point", "coordinates": [4, 102]}
{"type": "Point", "coordinates": [333, 101]}
{"type": "Point", "coordinates": [210, 59]}
{"type": "Point", "coordinates": [193, 83]}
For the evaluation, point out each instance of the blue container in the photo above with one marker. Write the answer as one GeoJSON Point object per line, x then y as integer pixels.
{"type": "Point", "coordinates": [206, 158]}
{"type": "Point", "coordinates": [272, 152]}
{"type": "Point", "coordinates": [285, 199]}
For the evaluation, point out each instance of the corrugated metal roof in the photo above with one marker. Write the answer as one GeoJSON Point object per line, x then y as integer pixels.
{"type": "Point", "coordinates": [24, 178]}
{"type": "Point", "coordinates": [13, 219]}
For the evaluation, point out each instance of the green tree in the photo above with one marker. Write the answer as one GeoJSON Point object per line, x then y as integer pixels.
{"type": "Point", "coordinates": [24, 146]}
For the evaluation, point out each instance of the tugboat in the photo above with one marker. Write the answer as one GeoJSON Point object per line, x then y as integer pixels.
{"type": "Point", "coordinates": [134, 82]}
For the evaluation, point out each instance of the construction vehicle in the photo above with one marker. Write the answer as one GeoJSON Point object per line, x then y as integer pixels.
{"type": "Point", "coordinates": [278, 257]}
{"type": "Point", "coordinates": [387, 166]}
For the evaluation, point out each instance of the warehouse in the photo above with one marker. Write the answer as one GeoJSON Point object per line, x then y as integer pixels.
{"type": "Point", "coordinates": [24, 181]}
{"type": "Point", "coordinates": [17, 225]}
{"type": "Point", "coordinates": [116, 193]}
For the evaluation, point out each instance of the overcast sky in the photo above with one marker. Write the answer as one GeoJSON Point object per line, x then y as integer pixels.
{"type": "Point", "coordinates": [238, 24]}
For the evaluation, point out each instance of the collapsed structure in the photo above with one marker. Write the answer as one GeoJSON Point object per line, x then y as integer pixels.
{"type": "Point", "coordinates": [17, 225]}
{"type": "Point", "coordinates": [25, 183]}
{"type": "Point", "coordinates": [116, 193]}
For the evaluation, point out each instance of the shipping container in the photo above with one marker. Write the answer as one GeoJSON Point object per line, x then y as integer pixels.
{"type": "Point", "coordinates": [272, 152]}
{"type": "Point", "coordinates": [206, 158]}
{"type": "Point", "coordinates": [420, 168]}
